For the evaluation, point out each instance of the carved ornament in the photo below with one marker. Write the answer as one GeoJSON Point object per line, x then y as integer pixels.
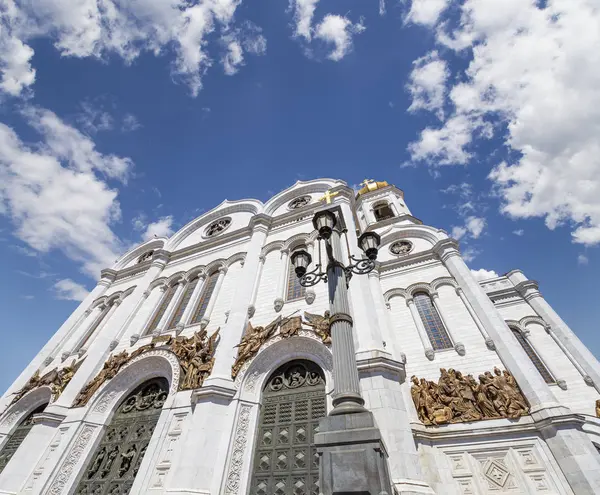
{"type": "Point", "coordinates": [195, 355]}
{"type": "Point", "coordinates": [254, 337]}
{"type": "Point", "coordinates": [56, 379]}
{"type": "Point", "coordinates": [459, 399]}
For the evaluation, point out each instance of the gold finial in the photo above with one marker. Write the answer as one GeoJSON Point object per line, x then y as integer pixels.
{"type": "Point", "coordinates": [328, 195]}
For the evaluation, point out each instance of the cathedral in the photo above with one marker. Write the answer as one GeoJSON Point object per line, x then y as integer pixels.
{"type": "Point", "coordinates": [322, 342]}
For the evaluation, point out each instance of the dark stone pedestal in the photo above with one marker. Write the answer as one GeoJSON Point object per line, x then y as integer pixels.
{"type": "Point", "coordinates": [353, 459]}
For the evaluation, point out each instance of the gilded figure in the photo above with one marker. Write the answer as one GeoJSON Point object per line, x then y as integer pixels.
{"type": "Point", "coordinates": [320, 324]}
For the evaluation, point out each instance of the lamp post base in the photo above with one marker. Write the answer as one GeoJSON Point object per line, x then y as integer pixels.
{"type": "Point", "coordinates": [352, 455]}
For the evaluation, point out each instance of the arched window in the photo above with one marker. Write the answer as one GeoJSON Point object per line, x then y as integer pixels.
{"type": "Point", "coordinates": [383, 211]}
{"type": "Point", "coordinates": [187, 294]}
{"type": "Point", "coordinates": [207, 292]}
{"type": "Point", "coordinates": [17, 437]}
{"type": "Point", "coordinates": [535, 359]}
{"type": "Point", "coordinates": [117, 459]}
{"type": "Point", "coordinates": [294, 289]}
{"type": "Point", "coordinates": [164, 304]}
{"type": "Point", "coordinates": [99, 319]}
{"type": "Point", "coordinates": [432, 322]}
{"type": "Point", "coordinates": [285, 458]}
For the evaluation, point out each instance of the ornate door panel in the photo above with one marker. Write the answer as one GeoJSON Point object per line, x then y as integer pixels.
{"type": "Point", "coordinates": [17, 438]}
{"type": "Point", "coordinates": [117, 459]}
{"type": "Point", "coordinates": [285, 460]}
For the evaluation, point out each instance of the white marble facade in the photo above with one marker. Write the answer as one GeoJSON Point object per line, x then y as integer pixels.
{"type": "Point", "coordinates": [204, 440]}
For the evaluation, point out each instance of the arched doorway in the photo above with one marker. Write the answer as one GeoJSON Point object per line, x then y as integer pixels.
{"type": "Point", "coordinates": [16, 439]}
{"type": "Point", "coordinates": [117, 459]}
{"type": "Point", "coordinates": [285, 459]}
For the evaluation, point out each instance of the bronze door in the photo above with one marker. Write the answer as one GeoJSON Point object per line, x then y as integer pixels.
{"type": "Point", "coordinates": [285, 459]}
{"type": "Point", "coordinates": [17, 438]}
{"type": "Point", "coordinates": [117, 459]}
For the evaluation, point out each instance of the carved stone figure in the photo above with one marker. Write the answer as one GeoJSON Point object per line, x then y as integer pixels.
{"type": "Point", "coordinates": [321, 325]}
{"type": "Point", "coordinates": [290, 326]}
{"type": "Point", "coordinates": [252, 341]}
{"type": "Point", "coordinates": [126, 459]}
{"type": "Point", "coordinates": [97, 463]}
{"type": "Point", "coordinates": [109, 370]}
{"type": "Point", "coordinates": [56, 379]}
{"type": "Point", "coordinates": [196, 357]}
{"type": "Point", "coordinates": [456, 398]}
{"type": "Point", "coordinates": [110, 459]}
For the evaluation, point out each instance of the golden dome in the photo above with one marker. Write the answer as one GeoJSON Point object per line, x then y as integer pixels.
{"type": "Point", "coordinates": [371, 185]}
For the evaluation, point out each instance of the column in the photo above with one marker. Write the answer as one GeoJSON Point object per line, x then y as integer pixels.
{"type": "Point", "coordinates": [212, 422]}
{"type": "Point", "coordinates": [572, 449]}
{"type": "Point", "coordinates": [73, 345]}
{"type": "Point", "coordinates": [549, 367]}
{"type": "Point", "coordinates": [530, 292]}
{"type": "Point", "coordinates": [213, 297]}
{"type": "Point", "coordinates": [126, 331]}
{"type": "Point", "coordinates": [168, 314]}
{"type": "Point", "coordinates": [252, 307]}
{"type": "Point", "coordinates": [459, 347]}
{"type": "Point", "coordinates": [575, 364]}
{"type": "Point", "coordinates": [391, 342]}
{"type": "Point", "coordinates": [86, 340]}
{"type": "Point", "coordinates": [488, 341]}
{"type": "Point", "coordinates": [429, 352]}
{"type": "Point", "coordinates": [53, 346]}
{"type": "Point", "coordinates": [193, 302]}
{"type": "Point", "coordinates": [154, 301]}
{"type": "Point", "coordinates": [281, 283]}
{"type": "Point", "coordinates": [100, 349]}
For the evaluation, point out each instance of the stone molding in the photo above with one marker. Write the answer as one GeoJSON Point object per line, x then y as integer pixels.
{"type": "Point", "coordinates": [48, 418]}
{"type": "Point", "coordinates": [379, 363]}
{"type": "Point", "coordinates": [17, 411]}
{"type": "Point", "coordinates": [429, 287]}
{"type": "Point", "coordinates": [238, 454]}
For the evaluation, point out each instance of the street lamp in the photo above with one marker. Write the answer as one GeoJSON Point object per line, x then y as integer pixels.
{"type": "Point", "coordinates": [353, 457]}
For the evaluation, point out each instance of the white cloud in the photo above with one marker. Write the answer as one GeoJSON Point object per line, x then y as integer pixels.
{"type": "Point", "coordinates": [475, 226]}
{"type": "Point", "coordinates": [338, 30]}
{"type": "Point", "coordinates": [130, 123]}
{"type": "Point", "coordinates": [483, 274]}
{"type": "Point", "coordinates": [427, 84]}
{"type": "Point", "coordinates": [519, 232]}
{"type": "Point", "coordinates": [582, 259]}
{"type": "Point", "coordinates": [89, 28]}
{"type": "Point", "coordinates": [304, 10]}
{"type": "Point", "coordinates": [160, 228]}
{"type": "Point", "coordinates": [333, 29]}
{"type": "Point", "coordinates": [426, 12]}
{"type": "Point", "coordinates": [458, 232]}
{"type": "Point", "coordinates": [56, 194]}
{"type": "Point", "coordinates": [94, 119]}
{"type": "Point", "coordinates": [69, 290]}
{"type": "Point", "coordinates": [470, 253]}
{"type": "Point", "coordinates": [249, 39]}
{"type": "Point", "coordinates": [533, 81]}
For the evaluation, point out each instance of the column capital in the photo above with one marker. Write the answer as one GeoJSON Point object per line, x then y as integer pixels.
{"type": "Point", "coordinates": [446, 248]}
{"type": "Point", "coordinates": [260, 222]}
{"type": "Point", "coordinates": [528, 289]}
{"type": "Point", "coordinates": [262, 258]}
{"type": "Point", "coordinates": [107, 276]}
{"type": "Point", "coordinates": [48, 418]}
{"type": "Point", "coordinates": [223, 270]}
{"type": "Point", "coordinates": [160, 258]}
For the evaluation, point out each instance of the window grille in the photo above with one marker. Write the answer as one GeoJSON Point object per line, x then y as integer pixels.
{"type": "Point", "coordinates": [535, 359]}
{"type": "Point", "coordinates": [185, 300]}
{"type": "Point", "coordinates": [294, 289]}
{"type": "Point", "coordinates": [161, 310]}
{"type": "Point", "coordinates": [432, 322]}
{"type": "Point", "coordinates": [16, 439]}
{"type": "Point", "coordinates": [207, 292]}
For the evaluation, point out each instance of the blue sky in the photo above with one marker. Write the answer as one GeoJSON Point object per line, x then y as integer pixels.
{"type": "Point", "coordinates": [486, 113]}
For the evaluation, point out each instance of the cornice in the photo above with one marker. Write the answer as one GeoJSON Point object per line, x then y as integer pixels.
{"type": "Point", "coordinates": [379, 192]}
{"type": "Point", "coordinates": [391, 221]}
{"type": "Point", "coordinates": [413, 259]}
{"type": "Point", "coordinates": [446, 248]}
{"type": "Point", "coordinates": [48, 419]}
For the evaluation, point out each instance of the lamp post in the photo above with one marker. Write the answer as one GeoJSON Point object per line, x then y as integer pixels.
{"type": "Point", "coordinates": [352, 454]}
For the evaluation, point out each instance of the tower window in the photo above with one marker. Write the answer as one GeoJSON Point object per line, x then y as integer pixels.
{"type": "Point", "coordinates": [383, 211]}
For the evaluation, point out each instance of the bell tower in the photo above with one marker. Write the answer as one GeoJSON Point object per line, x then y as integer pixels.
{"type": "Point", "coordinates": [379, 204]}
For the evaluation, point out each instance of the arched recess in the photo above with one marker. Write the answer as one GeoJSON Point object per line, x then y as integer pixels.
{"type": "Point", "coordinates": [18, 421]}
{"type": "Point", "coordinates": [285, 459]}
{"type": "Point", "coordinates": [115, 463]}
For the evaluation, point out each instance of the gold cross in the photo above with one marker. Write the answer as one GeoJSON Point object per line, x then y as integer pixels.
{"type": "Point", "coordinates": [366, 182]}
{"type": "Point", "coordinates": [327, 197]}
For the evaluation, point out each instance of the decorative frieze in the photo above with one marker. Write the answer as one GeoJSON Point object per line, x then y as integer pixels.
{"type": "Point", "coordinates": [254, 337]}
{"type": "Point", "coordinates": [56, 379]}
{"type": "Point", "coordinates": [195, 355]}
{"type": "Point", "coordinates": [459, 399]}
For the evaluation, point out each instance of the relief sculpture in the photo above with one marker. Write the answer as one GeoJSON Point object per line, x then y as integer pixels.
{"type": "Point", "coordinates": [254, 337]}
{"type": "Point", "coordinates": [459, 399]}
{"type": "Point", "coordinates": [56, 379]}
{"type": "Point", "coordinates": [196, 356]}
